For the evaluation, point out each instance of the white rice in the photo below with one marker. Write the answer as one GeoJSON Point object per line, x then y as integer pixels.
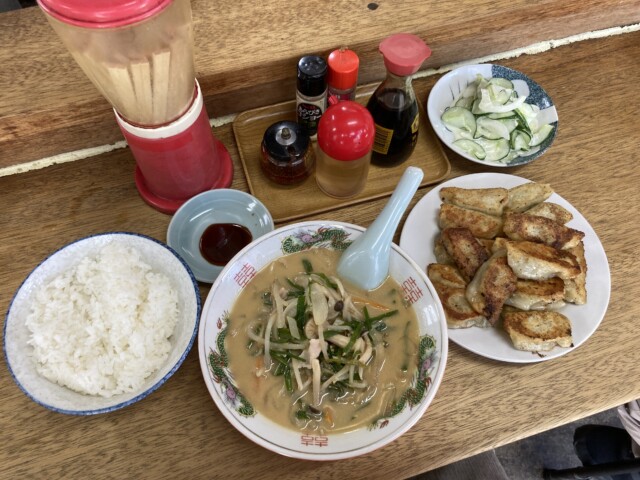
{"type": "Point", "coordinates": [104, 326]}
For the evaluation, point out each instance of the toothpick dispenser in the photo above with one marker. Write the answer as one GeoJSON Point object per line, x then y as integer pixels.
{"type": "Point", "coordinates": [139, 54]}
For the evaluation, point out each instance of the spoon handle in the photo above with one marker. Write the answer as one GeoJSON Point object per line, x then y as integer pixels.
{"type": "Point", "coordinates": [386, 223]}
{"type": "Point", "coordinates": [365, 263]}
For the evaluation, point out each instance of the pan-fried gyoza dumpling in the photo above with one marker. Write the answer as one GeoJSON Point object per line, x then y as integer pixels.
{"type": "Point", "coordinates": [535, 261]}
{"type": "Point", "coordinates": [522, 226]}
{"type": "Point", "coordinates": [465, 250]}
{"type": "Point", "coordinates": [537, 294]}
{"type": "Point", "coordinates": [487, 200]}
{"type": "Point", "coordinates": [480, 224]}
{"type": "Point", "coordinates": [492, 284]}
{"type": "Point", "coordinates": [552, 211]}
{"type": "Point", "coordinates": [537, 331]}
{"type": "Point", "coordinates": [575, 289]}
{"type": "Point", "coordinates": [527, 195]}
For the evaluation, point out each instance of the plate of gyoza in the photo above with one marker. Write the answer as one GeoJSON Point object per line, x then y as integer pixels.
{"type": "Point", "coordinates": [521, 274]}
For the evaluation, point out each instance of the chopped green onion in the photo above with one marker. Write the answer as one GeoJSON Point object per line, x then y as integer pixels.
{"type": "Point", "coordinates": [308, 268]}
{"type": "Point", "coordinates": [371, 321]}
{"type": "Point", "coordinates": [331, 333]}
{"type": "Point", "coordinates": [300, 317]}
{"type": "Point", "coordinates": [354, 336]}
{"type": "Point", "coordinates": [288, 382]}
{"type": "Point", "coordinates": [328, 281]}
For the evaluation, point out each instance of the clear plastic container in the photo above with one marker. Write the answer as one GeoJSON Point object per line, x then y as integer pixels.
{"type": "Point", "coordinates": [345, 138]}
{"type": "Point", "coordinates": [138, 54]}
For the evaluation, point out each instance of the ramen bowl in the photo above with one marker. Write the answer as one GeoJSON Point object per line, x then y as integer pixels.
{"type": "Point", "coordinates": [217, 321]}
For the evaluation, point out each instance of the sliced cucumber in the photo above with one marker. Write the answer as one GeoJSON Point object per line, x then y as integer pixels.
{"type": "Point", "coordinates": [498, 116]}
{"type": "Point", "coordinates": [471, 147]}
{"type": "Point", "coordinates": [459, 118]}
{"type": "Point", "coordinates": [491, 129]}
{"type": "Point", "coordinates": [465, 102]}
{"type": "Point", "coordinates": [470, 90]}
{"type": "Point", "coordinates": [495, 149]}
{"type": "Point", "coordinates": [501, 82]}
{"type": "Point", "coordinates": [522, 122]}
{"type": "Point", "coordinates": [475, 108]}
{"type": "Point", "coordinates": [541, 135]}
{"type": "Point", "coordinates": [528, 116]}
{"type": "Point", "coordinates": [487, 105]}
{"type": "Point", "coordinates": [491, 121]}
{"type": "Point", "coordinates": [499, 95]}
{"type": "Point", "coordinates": [520, 140]}
{"type": "Point", "coordinates": [510, 123]}
{"type": "Point", "coordinates": [512, 155]}
{"type": "Point", "coordinates": [481, 83]}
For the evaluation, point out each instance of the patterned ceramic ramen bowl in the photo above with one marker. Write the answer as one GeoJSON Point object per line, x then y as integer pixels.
{"type": "Point", "coordinates": [417, 291]}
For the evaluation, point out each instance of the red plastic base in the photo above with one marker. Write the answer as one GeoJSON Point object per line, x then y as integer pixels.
{"type": "Point", "coordinates": [170, 205]}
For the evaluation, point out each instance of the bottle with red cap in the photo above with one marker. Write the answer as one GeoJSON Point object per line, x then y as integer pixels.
{"type": "Point", "coordinates": [345, 137]}
{"type": "Point", "coordinates": [342, 76]}
{"type": "Point", "coordinates": [393, 105]}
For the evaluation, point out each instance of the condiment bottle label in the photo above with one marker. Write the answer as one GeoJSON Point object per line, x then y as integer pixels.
{"type": "Point", "coordinates": [383, 137]}
{"type": "Point", "coordinates": [414, 129]}
{"type": "Point", "coordinates": [309, 114]}
{"type": "Point", "coordinates": [382, 140]}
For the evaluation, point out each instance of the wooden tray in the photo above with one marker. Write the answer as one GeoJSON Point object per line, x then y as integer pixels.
{"type": "Point", "coordinates": [288, 203]}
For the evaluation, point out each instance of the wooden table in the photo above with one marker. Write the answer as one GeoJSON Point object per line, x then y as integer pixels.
{"type": "Point", "coordinates": [177, 432]}
{"type": "Point", "coordinates": [246, 54]}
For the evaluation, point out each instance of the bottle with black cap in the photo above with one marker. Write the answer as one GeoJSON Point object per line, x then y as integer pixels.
{"type": "Point", "coordinates": [311, 95]}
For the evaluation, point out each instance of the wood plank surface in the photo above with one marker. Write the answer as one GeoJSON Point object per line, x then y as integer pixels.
{"type": "Point", "coordinates": [177, 432]}
{"type": "Point", "coordinates": [246, 53]}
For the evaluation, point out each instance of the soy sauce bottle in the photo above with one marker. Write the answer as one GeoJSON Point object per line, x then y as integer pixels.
{"type": "Point", "coordinates": [393, 105]}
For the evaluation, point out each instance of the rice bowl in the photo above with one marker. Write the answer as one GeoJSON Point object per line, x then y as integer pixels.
{"type": "Point", "coordinates": [161, 262]}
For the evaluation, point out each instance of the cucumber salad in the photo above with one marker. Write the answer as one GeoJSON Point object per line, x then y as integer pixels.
{"type": "Point", "coordinates": [491, 122]}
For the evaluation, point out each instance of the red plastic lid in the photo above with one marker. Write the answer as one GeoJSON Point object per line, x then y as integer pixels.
{"type": "Point", "coordinates": [343, 69]}
{"type": "Point", "coordinates": [346, 131]}
{"type": "Point", "coordinates": [404, 53]}
{"type": "Point", "coordinates": [102, 13]}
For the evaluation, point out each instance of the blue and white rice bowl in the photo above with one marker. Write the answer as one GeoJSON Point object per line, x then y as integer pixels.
{"type": "Point", "coordinates": [417, 289]}
{"type": "Point", "coordinates": [449, 87]}
{"type": "Point", "coordinates": [19, 354]}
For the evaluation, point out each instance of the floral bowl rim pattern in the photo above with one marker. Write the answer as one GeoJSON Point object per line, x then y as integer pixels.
{"type": "Point", "coordinates": [237, 409]}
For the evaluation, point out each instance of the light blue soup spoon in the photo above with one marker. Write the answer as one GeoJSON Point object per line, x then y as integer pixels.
{"type": "Point", "coordinates": [365, 263]}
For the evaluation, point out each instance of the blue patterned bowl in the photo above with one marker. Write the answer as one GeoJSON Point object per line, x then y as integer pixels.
{"type": "Point", "coordinates": [60, 399]}
{"type": "Point", "coordinates": [453, 83]}
{"type": "Point", "coordinates": [215, 322]}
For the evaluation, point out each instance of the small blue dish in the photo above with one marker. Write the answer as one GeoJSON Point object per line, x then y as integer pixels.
{"type": "Point", "coordinates": [218, 206]}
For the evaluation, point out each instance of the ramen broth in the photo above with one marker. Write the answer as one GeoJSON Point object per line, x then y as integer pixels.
{"type": "Point", "coordinates": [389, 343]}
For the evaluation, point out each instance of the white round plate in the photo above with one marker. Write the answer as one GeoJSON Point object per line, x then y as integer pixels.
{"type": "Point", "coordinates": [16, 334]}
{"type": "Point", "coordinates": [418, 237]}
{"type": "Point", "coordinates": [240, 413]}
{"type": "Point", "coordinates": [450, 85]}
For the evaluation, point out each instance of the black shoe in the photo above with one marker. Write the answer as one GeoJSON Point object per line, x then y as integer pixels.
{"type": "Point", "coordinates": [598, 444]}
